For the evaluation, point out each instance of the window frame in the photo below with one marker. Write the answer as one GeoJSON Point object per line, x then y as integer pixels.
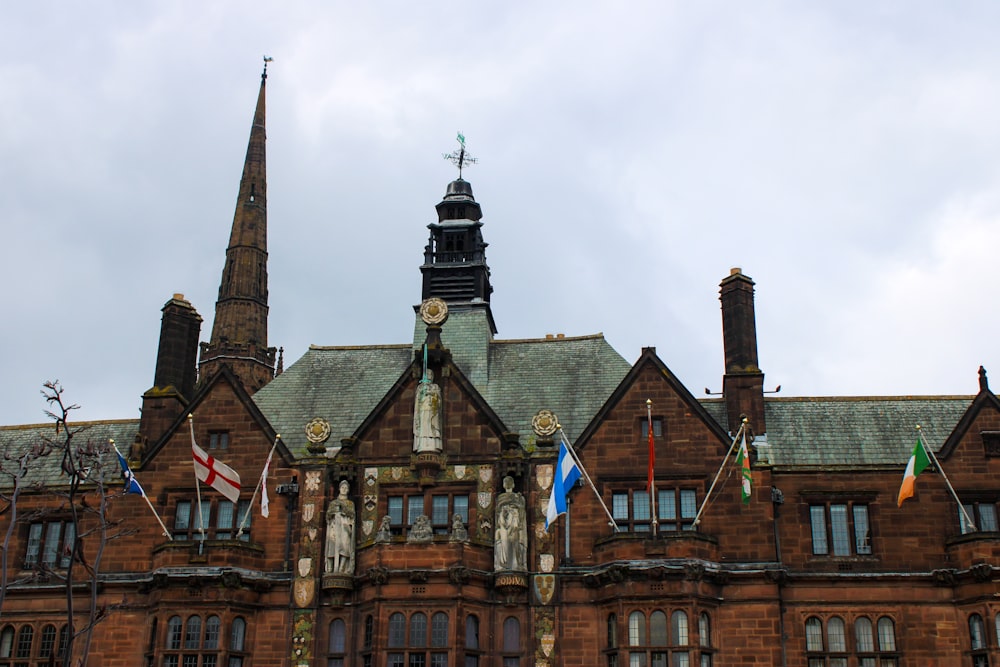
{"type": "Point", "coordinates": [631, 510]}
{"type": "Point", "coordinates": [401, 507]}
{"type": "Point", "coordinates": [221, 517]}
{"type": "Point", "coordinates": [830, 530]}
{"type": "Point", "coordinates": [38, 549]}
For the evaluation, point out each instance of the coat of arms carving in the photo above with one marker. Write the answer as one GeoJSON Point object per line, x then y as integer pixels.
{"type": "Point", "coordinates": [545, 587]}
{"type": "Point", "coordinates": [543, 475]}
{"type": "Point", "coordinates": [308, 512]}
{"type": "Point", "coordinates": [485, 474]}
{"type": "Point", "coordinates": [371, 476]}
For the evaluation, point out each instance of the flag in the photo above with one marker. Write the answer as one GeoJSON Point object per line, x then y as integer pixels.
{"type": "Point", "coordinates": [743, 461]}
{"type": "Point", "coordinates": [215, 473]}
{"type": "Point", "coordinates": [652, 456]}
{"type": "Point", "coordinates": [131, 483]}
{"type": "Point", "coordinates": [566, 475]}
{"type": "Point", "coordinates": [265, 504]}
{"type": "Point", "coordinates": [916, 465]}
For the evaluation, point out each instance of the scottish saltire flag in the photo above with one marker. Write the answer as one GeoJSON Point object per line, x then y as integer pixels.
{"type": "Point", "coordinates": [566, 475]}
{"type": "Point", "coordinates": [131, 483]}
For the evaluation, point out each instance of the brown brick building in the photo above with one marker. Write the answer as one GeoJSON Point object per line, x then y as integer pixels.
{"type": "Point", "coordinates": [409, 487]}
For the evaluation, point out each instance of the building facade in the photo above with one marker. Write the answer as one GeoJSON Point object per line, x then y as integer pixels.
{"type": "Point", "coordinates": [409, 485]}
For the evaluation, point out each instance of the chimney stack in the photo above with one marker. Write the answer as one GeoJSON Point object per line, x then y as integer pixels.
{"type": "Point", "coordinates": [743, 382]}
{"type": "Point", "coordinates": [176, 369]}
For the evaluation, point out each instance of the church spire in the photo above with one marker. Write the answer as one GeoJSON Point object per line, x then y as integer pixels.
{"type": "Point", "coordinates": [239, 333]}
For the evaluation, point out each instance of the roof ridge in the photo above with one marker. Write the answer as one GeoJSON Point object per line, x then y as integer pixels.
{"type": "Point", "coordinates": [554, 339]}
{"type": "Point", "coordinates": [95, 422]}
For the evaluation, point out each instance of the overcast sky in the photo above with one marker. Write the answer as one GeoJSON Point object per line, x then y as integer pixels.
{"type": "Point", "coordinates": [846, 155]}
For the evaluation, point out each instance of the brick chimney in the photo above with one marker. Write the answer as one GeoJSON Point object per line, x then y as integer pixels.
{"type": "Point", "coordinates": [743, 382]}
{"type": "Point", "coordinates": [176, 369]}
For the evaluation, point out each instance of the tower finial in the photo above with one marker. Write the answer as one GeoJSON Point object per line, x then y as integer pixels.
{"type": "Point", "coordinates": [460, 158]}
{"type": "Point", "coordinates": [267, 59]}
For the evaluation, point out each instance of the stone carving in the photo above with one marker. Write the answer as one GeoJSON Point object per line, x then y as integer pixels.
{"type": "Point", "coordinates": [340, 533]}
{"type": "Point", "coordinates": [384, 534]}
{"type": "Point", "coordinates": [421, 530]}
{"type": "Point", "coordinates": [511, 533]}
{"type": "Point", "coordinates": [458, 531]}
{"type": "Point", "coordinates": [427, 416]}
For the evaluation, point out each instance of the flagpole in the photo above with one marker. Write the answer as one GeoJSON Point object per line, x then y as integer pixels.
{"type": "Point", "coordinates": [146, 498]}
{"type": "Point", "coordinates": [961, 507]}
{"type": "Point", "coordinates": [583, 470]}
{"type": "Point", "coordinates": [701, 509]}
{"type": "Point", "coordinates": [197, 486]}
{"type": "Point", "coordinates": [246, 515]}
{"type": "Point", "coordinates": [652, 458]}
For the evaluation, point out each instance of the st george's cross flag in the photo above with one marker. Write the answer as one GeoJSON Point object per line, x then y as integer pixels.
{"type": "Point", "coordinates": [214, 472]}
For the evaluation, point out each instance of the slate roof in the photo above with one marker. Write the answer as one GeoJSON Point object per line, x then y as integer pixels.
{"type": "Point", "coordinates": [571, 376]}
{"type": "Point", "coordinates": [836, 432]}
{"type": "Point", "coordinates": [17, 439]}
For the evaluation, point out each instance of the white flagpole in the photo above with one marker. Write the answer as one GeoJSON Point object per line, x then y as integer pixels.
{"type": "Point", "coordinates": [146, 498]}
{"type": "Point", "coordinates": [652, 479]}
{"type": "Point", "coordinates": [697, 518]}
{"type": "Point", "coordinates": [930, 454]}
{"type": "Point", "coordinates": [583, 471]}
{"type": "Point", "coordinates": [197, 484]}
{"type": "Point", "coordinates": [246, 515]}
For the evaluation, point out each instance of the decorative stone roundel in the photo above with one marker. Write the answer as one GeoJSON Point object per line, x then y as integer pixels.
{"type": "Point", "coordinates": [433, 311]}
{"type": "Point", "coordinates": [544, 423]}
{"type": "Point", "coordinates": [318, 430]}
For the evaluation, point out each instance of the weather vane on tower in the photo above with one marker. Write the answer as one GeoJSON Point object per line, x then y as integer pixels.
{"type": "Point", "coordinates": [460, 158]}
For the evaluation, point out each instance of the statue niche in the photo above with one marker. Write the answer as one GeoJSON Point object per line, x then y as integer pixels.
{"type": "Point", "coordinates": [340, 534]}
{"type": "Point", "coordinates": [427, 415]}
{"type": "Point", "coordinates": [510, 552]}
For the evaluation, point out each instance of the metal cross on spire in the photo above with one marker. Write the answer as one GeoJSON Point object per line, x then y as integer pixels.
{"type": "Point", "coordinates": [460, 158]}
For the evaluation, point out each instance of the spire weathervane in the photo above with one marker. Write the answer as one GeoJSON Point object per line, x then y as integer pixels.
{"type": "Point", "coordinates": [267, 59]}
{"type": "Point", "coordinates": [460, 158]}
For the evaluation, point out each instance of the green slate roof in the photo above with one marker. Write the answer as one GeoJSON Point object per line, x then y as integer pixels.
{"type": "Point", "coordinates": [15, 440]}
{"type": "Point", "coordinates": [852, 431]}
{"type": "Point", "coordinates": [572, 377]}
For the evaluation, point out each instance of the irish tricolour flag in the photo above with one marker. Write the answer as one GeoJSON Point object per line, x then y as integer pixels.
{"type": "Point", "coordinates": [918, 461]}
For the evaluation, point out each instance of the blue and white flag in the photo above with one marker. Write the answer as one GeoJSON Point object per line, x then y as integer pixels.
{"type": "Point", "coordinates": [131, 483]}
{"type": "Point", "coordinates": [566, 475]}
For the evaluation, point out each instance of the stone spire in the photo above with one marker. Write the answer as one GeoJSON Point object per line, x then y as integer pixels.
{"type": "Point", "coordinates": [239, 333]}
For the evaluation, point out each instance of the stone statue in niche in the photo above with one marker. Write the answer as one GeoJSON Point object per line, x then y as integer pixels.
{"type": "Point", "coordinates": [421, 530]}
{"type": "Point", "coordinates": [458, 531]}
{"type": "Point", "coordinates": [427, 415]}
{"type": "Point", "coordinates": [384, 533]}
{"type": "Point", "coordinates": [340, 533]}
{"type": "Point", "coordinates": [510, 550]}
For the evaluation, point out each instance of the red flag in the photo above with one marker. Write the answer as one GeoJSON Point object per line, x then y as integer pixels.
{"type": "Point", "coordinates": [215, 473]}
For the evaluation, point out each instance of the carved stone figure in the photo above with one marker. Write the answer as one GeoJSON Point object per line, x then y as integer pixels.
{"type": "Point", "coordinates": [458, 531]}
{"type": "Point", "coordinates": [427, 416]}
{"type": "Point", "coordinates": [340, 533]}
{"type": "Point", "coordinates": [384, 533]}
{"type": "Point", "coordinates": [511, 543]}
{"type": "Point", "coordinates": [421, 530]}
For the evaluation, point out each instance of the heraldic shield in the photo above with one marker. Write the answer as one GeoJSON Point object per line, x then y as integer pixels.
{"type": "Point", "coordinates": [545, 587]}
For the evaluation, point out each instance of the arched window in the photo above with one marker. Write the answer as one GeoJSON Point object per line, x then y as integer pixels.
{"type": "Point", "coordinates": [887, 635]}
{"type": "Point", "coordinates": [418, 630]}
{"type": "Point", "coordinates": [814, 634]}
{"type": "Point", "coordinates": [704, 630]}
{"type": "Point", "coordinates": [658, 629]}
{"type": "Point", "coordinates": [174, 626]}
{"type": "Point", "coordinates": [152, 636]}
{"type": "Point", "coordinates": [48, 641]}
{"type": "Point", "coordinates": [212, 628]}
{"type": "Point", "coordinates": [864, 641]}
{"type": "Point", "coordinates": [439, 630]}
{"type": "Point", "coordinates": [679, 628]}
{"type": "Point", "coordinates": [612, 631]}
{"type": "Point", "coordinates": [636, 629]}
{"type": "Point", "coordinates": [511, 642]}
{"type": "Point", "coordinates": [836, 641]}
{"type": "Point", "coordinates": [471, 631]}
{"type": "Point", "coordinates": [192, 633]}
{"type": "Point", "coordinates": [7, 642]}
{"type": "Point", "coordinates": [25, 638]}
{"type": "Point", "coordinates": [237, 642]}
{"type": "Point", "coordinates": [397, 630]}
{"type": "Point", "coordinates": [977, 632]}
{"type": "Point", "coordinates": [336, 643]}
